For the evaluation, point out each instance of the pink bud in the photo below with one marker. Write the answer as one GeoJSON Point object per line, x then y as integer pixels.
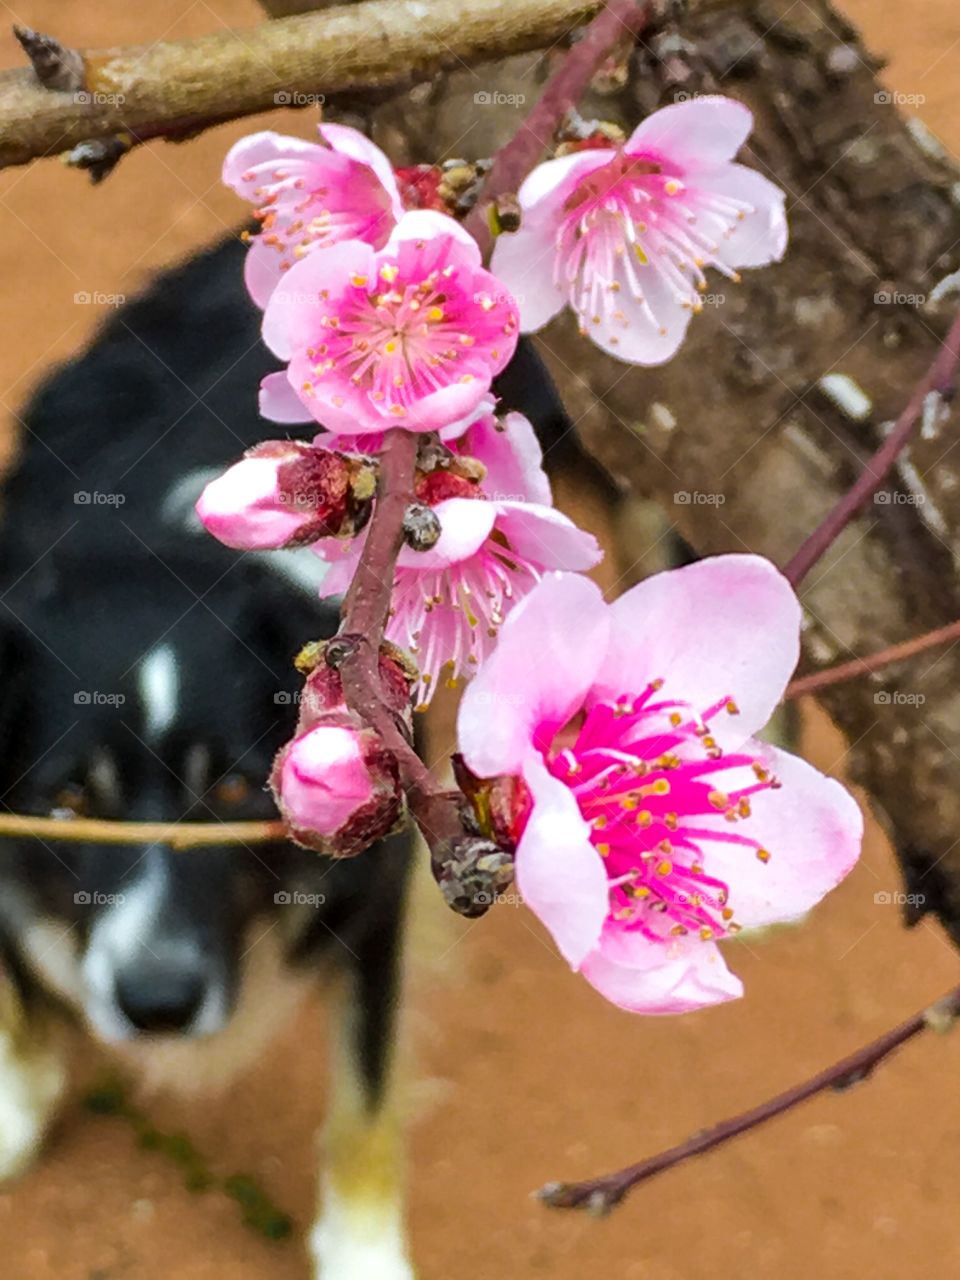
{"type": "Point", "coordinates": [337, 789]}
{"type": "Point", "coordinates": [284, 493]}
{"type": "Point", "coordinates": [324, 779]}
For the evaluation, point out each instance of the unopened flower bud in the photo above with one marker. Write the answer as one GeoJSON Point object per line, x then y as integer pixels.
{"type": "Point", "coordinates": [337, 788]}
{"type": "Point", "coordinates": [284, 493]}
{"type": "Point", "coordinates": [421, 527]}
{"type": "Point", "coordinates": [472, 875]}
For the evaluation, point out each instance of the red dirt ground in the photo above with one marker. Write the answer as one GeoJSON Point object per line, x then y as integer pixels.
{"type": "Point", "coordinates": [530, 1076]}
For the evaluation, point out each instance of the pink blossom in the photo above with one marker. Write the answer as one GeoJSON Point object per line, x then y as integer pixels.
{"type": "Point", "coordinates": [323, 779]}
{"type": "Point", "coordinates": [496, 541]}
{"type": "Point", "coordinates": [411, 335]}
{"type": "Point", "coordinates": [284, 493]}
{"type": "Point", "coordinates": [657, 825]}
{"type": "Point", "coordinates": [337, 787]}
{"type": "Point", "coordinates": [309, 196]}
{"type": "Point", "coordinates": [624, 235]}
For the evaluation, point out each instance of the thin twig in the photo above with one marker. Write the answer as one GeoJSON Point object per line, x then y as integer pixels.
{"type": "Point", "coordinates": [604, 1193]}
{"type": "Point", "coordinates": [179, 88]}
{"type": "Point", "coordinates": [844, 671]}
{"type": "Point", "coordinates": [514, 160]}
{"type": "Point", "coordinates": [365, 612]}
{"type": "Point", "coordinates": [178, 835]}
{"type": "Point", "coordinates": [939, 377]}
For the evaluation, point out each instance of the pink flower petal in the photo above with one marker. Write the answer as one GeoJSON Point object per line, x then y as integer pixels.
{"type": "Point", "coordinates": [650, 328]}
{"type": "Point", "coordinates": [428, 224]}
{"type": "Point", "coordinates": [547, 537]}
{"type": "Point", "coordinates": [727, 626]}
{"type": "Point", "coordinates": [550, 185]}
{"type": "Point", "coordinates": [559, 873]}
{"type": "Point", "coordinates": [511, 453]}
{"type": "Point", "coordinates": [465, 525]}
{"type": "Point", "coordinates": [264, 148]}
{"type": "Point", "coordinates": [547, 657]}
{"type": "Point", "coordinates": [524, 261]}
{"type": "Point", "coordinates": [262, 272]}
{"type": "Point", "coordinates": [290, 320]}
{"type": "Point", "coordinates": [278, 400]}
{"type": "Point", "coordinates": [702, 133]}
{"type": "Point", "coordinates": [454, 430]}
{"type": "Point", "coordinates": [356, 145]}
{"type": "Point", "coordinates": [760, 237]}
{"type": "Point", "coordinates": [812, 828]}
{"type": "Point", "coordinates": [643, 976]}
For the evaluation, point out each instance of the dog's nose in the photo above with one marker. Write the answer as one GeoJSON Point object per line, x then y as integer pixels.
{"type": "Point", "coordinates": [160, 998]}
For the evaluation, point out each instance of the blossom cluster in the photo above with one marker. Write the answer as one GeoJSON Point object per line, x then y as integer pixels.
{"type": "Point", "coordinates": [647, 822]}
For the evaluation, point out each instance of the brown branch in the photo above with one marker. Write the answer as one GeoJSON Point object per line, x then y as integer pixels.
{"type": "Point", "coordinates": [844, 671]}
{"type": "Point", "coordinates": [178, 88]}
{"type": "Point", "coordinates": [178, 835]}
{"type": "Point", "coordinates": [514, 160]}
{"type": "Point", "coordinates": [939, 377]}
{"type": "Point", "coordinates": [602, 1194]}
{"type": "Point", "coordinates": [365, 612]}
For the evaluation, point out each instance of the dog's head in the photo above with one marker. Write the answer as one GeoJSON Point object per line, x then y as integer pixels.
{"type": "Point", "coordinates": [142, 691]}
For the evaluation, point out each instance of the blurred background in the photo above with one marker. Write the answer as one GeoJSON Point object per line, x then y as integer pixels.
{"type": "Point", "coordinates": [521, 1074]}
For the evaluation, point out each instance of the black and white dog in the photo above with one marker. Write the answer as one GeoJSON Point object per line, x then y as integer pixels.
{"type": "Point", "coordinates": [146, 675]}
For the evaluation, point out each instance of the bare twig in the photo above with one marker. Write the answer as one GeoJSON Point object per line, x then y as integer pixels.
{"type": "Point", "coordinates": [178, 835]}
{"type": "Point", "coordinates": [617, 20]}
{"type": "Point", "coordinates": [602, 1194]}
{"type": "Point", "coordinates": [844, 671]}
{"type": "Point", "coordinates": [178, 88]}
{"type": "Point", "coordinates": [939, 377]}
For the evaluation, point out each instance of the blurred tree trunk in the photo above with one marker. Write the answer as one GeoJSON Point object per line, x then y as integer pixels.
{"type": "Point", "coordinates": [742, 420]}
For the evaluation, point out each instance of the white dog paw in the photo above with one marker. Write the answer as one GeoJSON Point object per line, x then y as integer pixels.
{"type": "Point", "coordinates": [338, 1256]}
{"type": "Point", "coordinates": [31, 1085]}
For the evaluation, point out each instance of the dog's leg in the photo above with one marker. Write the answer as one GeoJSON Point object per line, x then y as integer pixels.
{"type": "Point", "coordinates": [360, 1232]}
{"type": "Point", "coordinates": [32, 1081]}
